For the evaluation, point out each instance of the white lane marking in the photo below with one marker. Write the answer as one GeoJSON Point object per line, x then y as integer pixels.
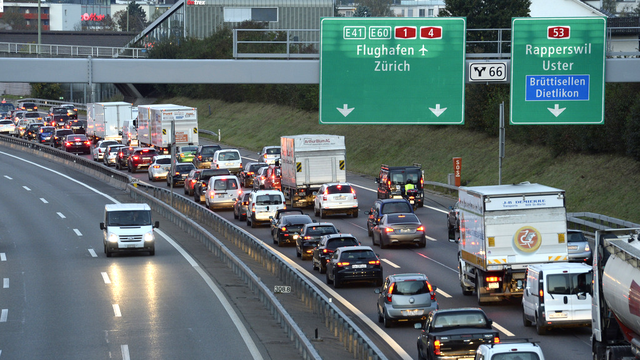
{"type": "Point", "coordinates": [363, 188]}
{"type": "Point", "coordinates": [44, 200]}
{"type": "Point", "coordinates": [61, 215]}
{"type": "Point", "coordinates": [105, 277]}
{"type": "Point", "coordinates": [358, 226]}
{"type": "Point", "coordinates": [436, 209]}
{"type": "Point", "coordinates": [3, 315]}
{"type": "Point", "coordinates": [77, 232]}
{"type": "Point", "coordinates": [93, 253]}
{"type": "Point", "coordinates": [8, 177]}
{"type": "Point", "coordinates": [373, 190]}
{"type": "Point", "coordinates": [125, 352]}
{"type": "Point", "coordinates": [251, 345]}
{"type": "Point", "coordinates": [3, 257]}
{"type": "Point", "coordinates": [5, 283]}
{"type": "Point", "coordinates": [334, 295]}
{"type": "Point", "coordinates": [443, 293]}
{"type": "Point", "coordinates": [439, 263]}
{"type": "Point", "coordinates": [502, 329]}
{"type": "Point", "coordinates": [26, 188]}
{"type": "Point", "coordinates": [430, 238]}
{"type": "Point", "coordinates": [116, 310]}
{"type": "Point", "coordinates": [390, 263]}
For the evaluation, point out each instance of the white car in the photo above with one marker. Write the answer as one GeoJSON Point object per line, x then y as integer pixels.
{"type": "Point", "coordinates": [160, 167]}
{"type": "Point", "coordinates": [229, 159]}
{"type": "Point", "coordinates": [98, 151]}
{"type": "Point", "coordinates": [336, 198]}
{"type": "Point", "coordinates": [222, 191]}
{"type": "Point", "coordinates": [7, 127]}
{"type": "Point", "coordinates": [269, 154]}
{"type": "Point", "coordinates": [263, 205]}
{"type": "Point", "coordinates": [110, 154]}
{"type": "Point", "coordinates": [516, 349]}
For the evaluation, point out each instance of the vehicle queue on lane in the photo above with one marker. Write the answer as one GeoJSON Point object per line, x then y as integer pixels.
{"type": "Point", "coordinates": [451, 289]}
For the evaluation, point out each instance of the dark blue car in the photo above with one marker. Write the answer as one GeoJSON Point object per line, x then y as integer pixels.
{"type": "Point", "coordinates": [45, 133]}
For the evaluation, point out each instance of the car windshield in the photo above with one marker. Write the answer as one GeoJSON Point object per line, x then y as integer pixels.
{"type": "Point", "coordinates": [209, 150]}
{"type": "Point", "coordinates": [339, 189]}
{"type": "Point", "coordinates": [401, 176]}
{"type": "Point", "coordinates": [63, 132]}
{"type": "Point", "coordinates": [397, 207]}
{"type": "Point", "coordinates": [6, 107]}
{"type": "Point", "coordinates": [358, 255]}
{"type": "Point", "coordinates": [297, 219]}
{"type": "Point", "coordinates": [47, 129]}
{"type": "Point", "coordinates": [225, 184]}
{"type": "Point", "coordinates": [402, 218]}
{"type": "Point", "coordinates": [188, 148]}
{"type": "Point", "coordinates": [163, 161]}
{"type": "Point", "coordinates": [465, 319]}
{"type": "Point", "coordinates": [229, 156]}
{"type": "Point", "coordinates": [105, 143]}
{"type": "Point", "coordinates": [184, 167]}
{"type": "Point", "coordinates": [4, 122]}
{"type": "Point", "coordinates": [273, 151]}
{"type": "Point", "coordinates": [129, 218]}
{"type": "Point", "coordinates": [321, 230]}
{"type": "Point", "coordinates": [576, 237]}
{"type": "Point", "coordinates": [268, 199]}
{"type": "Point", "coordinates": [336, 243]}
{"type": "Point", "coordinates": [516, 356]}
{"type": "Point", "coordinates": [412, 287]}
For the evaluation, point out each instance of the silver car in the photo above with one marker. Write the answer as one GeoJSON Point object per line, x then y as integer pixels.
{"type": "Point", "coordinates": [405, 298]}
{"type": "Point", "coordinates": [578, 247]}
{"type": "Point", "coordinates": [160, 167]}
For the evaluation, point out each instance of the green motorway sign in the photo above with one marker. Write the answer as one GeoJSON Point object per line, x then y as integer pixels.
{"type": "Point", "coordinates": [392, 70]}
{"type": "Point", "coordinates": [557, 71]}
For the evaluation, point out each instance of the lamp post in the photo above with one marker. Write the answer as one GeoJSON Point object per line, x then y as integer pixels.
{"type": "Point", "coordinates": [39, 26]}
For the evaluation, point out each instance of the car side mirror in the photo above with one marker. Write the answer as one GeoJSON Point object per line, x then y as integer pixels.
{"type": "Point", "coordinates": [367, 212]}
{"type": "Point", "coordinates": [376, 290]}
{"type": "Point", "coordinates": [377, 180]}
{"type": "Point", "coordinates": [102, 227]}
{"type": "Point", "coordinates": [490, 322]}
{"type": "Point", "coordinates": [418, 325]}
{"type": "Point", "coordinates": [582, 296]}
{"type": "Point", "coordinates": [454, 240]}
{"type": "Point", "coordinates": [157, 224]}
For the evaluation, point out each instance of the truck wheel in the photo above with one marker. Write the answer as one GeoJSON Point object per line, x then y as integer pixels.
{"type": "Point", "coordinates": [479, 289]}
{"type": "Point", "coordinates": [525, 321]}
{"type": "Point", "coordinates": [465, 291]}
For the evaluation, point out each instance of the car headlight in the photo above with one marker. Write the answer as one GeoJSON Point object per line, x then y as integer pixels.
{"type": "Point", "coordinates": [148, 236]}
{"type": "Point", "coordinates": [113, 237]}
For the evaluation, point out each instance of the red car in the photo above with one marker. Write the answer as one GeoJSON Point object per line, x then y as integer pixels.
{"type": "Point", "coordinates": [141, 158]}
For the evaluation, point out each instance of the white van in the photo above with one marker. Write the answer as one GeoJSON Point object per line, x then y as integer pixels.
{"type": "Point", "coordinates": [557, 295]}
{"type": "Point", "coordinates": [128, 227]}
{"type": "Point", "coordinates": [227, 159]}
{"type": "Point", "coordinates": [129, 133]}
{"type": "Point", "coordinates": [222, 191]}
{"type": "Point", "coordinates": [263, 205]}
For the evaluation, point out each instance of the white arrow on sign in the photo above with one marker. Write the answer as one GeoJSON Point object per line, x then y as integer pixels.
{"type": "Point", "coordinates": [345, 110]}
{"type": "Point", "coordinates": [437, 111]}
{"type": "Point", "coordinates": [556, 110]}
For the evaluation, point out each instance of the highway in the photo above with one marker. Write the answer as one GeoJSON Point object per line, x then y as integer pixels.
{"type": "Point", "coordinates": [437, 261]}
{"type": "Point", "coordinates": [158, 307]}
{"type": "Point", "coordinates": [63, 299]}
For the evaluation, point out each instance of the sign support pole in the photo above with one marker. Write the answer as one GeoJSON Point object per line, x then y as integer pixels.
{"type": "Point", "coordinates": [501, 144]}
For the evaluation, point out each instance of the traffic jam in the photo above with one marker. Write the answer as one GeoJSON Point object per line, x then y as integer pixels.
{"type": "Point", "coordinates": [378, 245]}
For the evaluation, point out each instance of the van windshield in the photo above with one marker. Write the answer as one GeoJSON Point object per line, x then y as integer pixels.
{"type": "Point", "coordinates": [129, 218]}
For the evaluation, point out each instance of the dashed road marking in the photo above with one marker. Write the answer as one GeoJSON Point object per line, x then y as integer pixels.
{"type": "Point", "coordinates": [502, 329]}
{"type": "Point", "coordinates": [44, 200]}
{"type": "Point", "coordinates": [105, 277]}
{"type": "Point", "coordinates": [61, 215]}
{"type": "Point", "coordinates": [3, 257]}
{"type": "Point", "coordinates": [430, 238]}
{"type": "Point", "coordinates": [125, 352]}
{"type": "Point", "coordinates": [390, 263]}
{"type": "Point", "coordinates": [8, 177]}
{"type": "Point", "coordinates": [3, 315]}
{"type": "Point", "coordinates": [437, 262]}
{"type": "Point", "coordinates": [93, 253]}
{"type": "Point", "coordinates": [5, 283]}
{"type": "Point", "coordinates": [77, 232]}
{"type": "Point", "coordinates": [116, 310]}
{"type": "Point", "coordinates": [26, 188]}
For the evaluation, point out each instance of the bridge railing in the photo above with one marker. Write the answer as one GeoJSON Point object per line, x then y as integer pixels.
{"type": "Point", "coordinates": [53, 50]}
{"type": "Point", "coordinates": [44, 103]}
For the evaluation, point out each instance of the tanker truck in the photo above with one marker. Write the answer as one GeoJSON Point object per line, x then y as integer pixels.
{"type": "Point", "coordinates": [615, 327]}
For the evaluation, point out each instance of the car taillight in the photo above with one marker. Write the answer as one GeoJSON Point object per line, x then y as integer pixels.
{"type": "Point", "coordinates": [177, 173]}
{"type": "Point", "coordinates": [121, 155]}
{"type": "Point", "coordinates": [199, 157]}
{"type": "Point", "coordinates": [496, 340]}
{"type": "Point", "coordinates": [492, 279]}
{"type": "Point", "coordinates": [156, 166]}
{"type": "Point", "coordinates": [342, 263]}
{"type": "Point", "coordinates": [354, 193]}
{"type": "Point", "coordinates": [388, 229]}
{"type": "Point", "coordinates": [253, 208]}
{"type": "Point", "coordinates": [284, 228]}
{"type": "Point", "coordinates": [420, 228]}
{"type": "Point", "coordinates": [433, 294]}
{"type": "Point", "coordinates": [212, 194]}
{"type": "Point", "coordinates": [389, 296]}
{"type": "Point", "coordinates": [136, 157]}
{"type": "Point", "coordinates": [68, 143]}
{"type": "Point", "coordinates": [374, 262]}
{"type": "Point", "coordinates": [250, 173]}
{"type": "Point", "coordinates": [436, 347]}
{"type": "Point", "coordinates": [327, 251]}
{"type": "Point", "coordinates": [87, 142]}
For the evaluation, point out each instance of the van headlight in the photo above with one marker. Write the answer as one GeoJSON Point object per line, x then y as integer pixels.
{"type": "Point", "coordinates": [148, 236]}
{"type": "Point", "coordinates": [113, 237]}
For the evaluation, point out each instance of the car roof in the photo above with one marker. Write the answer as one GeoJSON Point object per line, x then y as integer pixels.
{"type": "Point", "coordinates": [444, 311]}
{"type": "Point", "coordinates": [355, 248]}
{"type": "Point", "coordinates": [408, 276]}
{"type": "Point", "coordinates": [129, 206]}
{"type": "Point", "coordinates": [338, 183]}
{"type": "Point", "coordinates": [268, 192]}
{"type": "Point", "coordinates": [338, 235]}
{"type": "Point", "coordinates": [319, 224]}
{"type": "Point", "coordinates": [162, 157]}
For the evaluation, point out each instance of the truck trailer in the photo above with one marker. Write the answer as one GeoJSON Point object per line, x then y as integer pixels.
{"type": "Point", "coordinates": [615, 326]}
{"type": "Point", "coordinates": [307, 162]}
{"type": "Point", "coordinates": [503, 229]}
{"type": "Point", "coordinates": [154, 126]}
{"type": "Point", "coordinates": [105, 120]}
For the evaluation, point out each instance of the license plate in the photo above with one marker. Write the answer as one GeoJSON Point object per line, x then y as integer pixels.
{"type": "Point", "coordinates": [220, 195]}
{"type": "Point", "coordinates": [358, 266]}
{"type": "Point", "coordinates": [493, 285]}
{"type": "Point", "coordinates": [411, 202]}
{"type": "Point", "coordinates": [229, 164]}
{"type": "Point", "coordinates": [415, 312]}
{"type": "Point", "coordinates": [78, 143]}
{"type": "Point", "coordinates": [146, 158]}
{"type": "Point", "coordinates": [572, 247]}
{"type": "Point", "coordinates": [557, 315]}
{"type": "Point", "coordinates": [131, 246]}
{"type": "Point", "coordinates": [405, 230]}
{"type": "Point", "coordinates": [341, 197]}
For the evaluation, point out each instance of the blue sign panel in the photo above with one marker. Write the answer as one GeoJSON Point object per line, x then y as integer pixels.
{"type": "Point", "coordinates": [557, 87]}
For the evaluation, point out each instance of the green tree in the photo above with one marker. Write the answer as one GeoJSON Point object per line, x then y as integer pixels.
{"type": "Point", "coordinates": [487, 14]}
{"type": "Point", "coordinates": [14, 19]}
{"type": "Point", "coordinates": [136, 16]}
{"type": "Point", "coordinates": [362, 11]}
{"type": "Point", "coordinates": [375, 8]}
{"type": "Point", "coordinates": [47, 91]}
{"type": "Point", "coordinates": [610, 6]}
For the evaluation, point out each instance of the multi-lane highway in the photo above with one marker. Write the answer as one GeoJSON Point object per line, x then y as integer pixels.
{"type": "Point", "coordinates": [66, 290]}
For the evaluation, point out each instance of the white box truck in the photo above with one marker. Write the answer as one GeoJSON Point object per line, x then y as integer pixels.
{"type": "Point", "coordinates": [154, 125]}
{"type": "Point", "coordinates": [107, 120]}
{"type": "Point", "coordinates": [307, 162]}
{"type": "Point", "coordinates": [503, 229]}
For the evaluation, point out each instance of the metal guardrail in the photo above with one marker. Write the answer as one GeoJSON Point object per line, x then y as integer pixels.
{"type": "Point", "coordinates": [53, 50]}
{"type": "Point", "coordinates": [187, 215]}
